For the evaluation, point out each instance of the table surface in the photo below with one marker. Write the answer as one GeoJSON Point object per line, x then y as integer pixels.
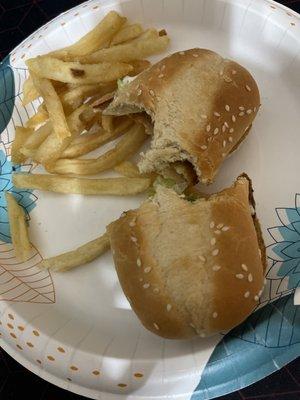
{"type": "Point", "coordinates": [19, 18]}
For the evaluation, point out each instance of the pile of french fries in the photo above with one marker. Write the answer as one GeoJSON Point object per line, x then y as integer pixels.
{"type": "Point", "coordinates": [75, 83]}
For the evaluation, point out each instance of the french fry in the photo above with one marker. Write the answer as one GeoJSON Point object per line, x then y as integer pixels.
{"type": "Point", "coordinates": [37, 137]}
{"type": "Point", "coordinates": [108, 123]}
{"type": "Point", "coordinates": [82, 255]}
{"type": "Point", "coordinates": [127, 146]}
{"type": "Point", "coordinates": [18, 228]}
{"type": "Point", "coordinates": [74, 97]}
{"type": "Point", "coordinates": [29, 92]}
{"type": "Point", "coordinates": [54, 106]}
{"type": "Point", "coordinates": [53, 146]}
{"type": "Point", "coordinates": [21, 135]}
{"type": "Point", "coordinates": [128, 32]}
{"type": "Point", "coordinates": [39, 118]}
{"type": "Point", "coordinates": [88, 142]}
{"type": "Point", "coordinates": [128, 169]}
{"type": "Point", "coordinates": [135, 50]}
{"type": "Point", "coordinates": [84, 186]}
{"type": "Point", "coordinates": [97, 38]}
{"type": "Point", "coordinates": [74, 72]}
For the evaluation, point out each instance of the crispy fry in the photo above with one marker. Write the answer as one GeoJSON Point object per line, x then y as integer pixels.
{"type": "Point", "coordinates": [21, 135]}
{"type": "Point", "coordinates": [127, 146]}
{"type": "Point", "coordinates": [98, 103]}
{"type": "Point", "coordinates": [128, 32]}
{"type": "Point", "coordinates": [39, 118]}
{"type": "Point", "coordinates": [84, 186]}
{"type": "Point", "coordinates": [74, 72]}
{"type": "Point", "coordinates": [128, 169]}
{"type": "Point", "coordinates": [18, 228]}
{"type": "Point", "coordinates": [96, 39]}
{"type": "Point", "coordinates": [37, 138]}
{"type": "Point", "coordinates": [54, 106]}
{"type": "Point", "coordinates": [51, 149]}
{"type": "Point", "coordinates": [29, 91]}
{"type": "Point", "coordinates": [82, 255]}
{"type": "Point", "coordinates": [74, 97]}
{"type": "Point", "coordinates": [127, 52]}
{"type": "Point", "coordinates": [108, 123]}
{"type": "Point", "coordinates": [89, 142]}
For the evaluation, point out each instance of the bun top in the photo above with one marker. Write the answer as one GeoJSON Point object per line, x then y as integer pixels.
{"type": "Point", "coordinates": [190, 268]}
{"type": "Point", "coordinates": [202, 106]}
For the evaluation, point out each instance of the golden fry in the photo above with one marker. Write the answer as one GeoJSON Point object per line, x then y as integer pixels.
{"type": "Point", "coordinates": [108, 123]}
{"type": "Point", "coordinates": [39, 118]}
{"type": "Point", "coordinates": [18, 228]}
{"type": "Point", "coordinates": [37, 137]}
{"type": "Point", "coordinates": [96, 39]}
{"type": "Point", "coordinates": [128, 169]}
{"type": "Point", "coordinates": [74, 72]}
{"type": "Point", "coordinates": [21, 135]}
{"type": "Point", "coordinates": [135, 50]}
{"type": "Point", "coordinates": [128, 32]}
{"type": "Point", "coordinates": [82, 255]}
{"type": "Point", "coordinates": [84, 186]}
{"type": "Point", "coordinates": [127, 146]}
{"type": "Point", "coordinates": [29, 91]}
{"type": "Point", "coordinates": [54, 106]}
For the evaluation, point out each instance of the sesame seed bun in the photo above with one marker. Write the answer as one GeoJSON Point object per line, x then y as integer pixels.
{"type": "Point", "coordinates": [201, 104]}
{"type": "Point", "coordinates": [191, 268]}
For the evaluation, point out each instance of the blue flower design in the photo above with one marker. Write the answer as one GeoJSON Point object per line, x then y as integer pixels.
{"type": "Point", "coordinates": [285, 251]}
{"type": "Point", "coordinates": [24, 197]}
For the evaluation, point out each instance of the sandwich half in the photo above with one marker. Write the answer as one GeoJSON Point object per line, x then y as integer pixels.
{"type": "Point", "coordinates": [191, 268]}
{"type": "Point", "coordinates": [201, 107]}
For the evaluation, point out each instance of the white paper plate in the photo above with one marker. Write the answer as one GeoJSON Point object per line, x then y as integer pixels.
{"type": "Point", "coordinates": [77, 330]}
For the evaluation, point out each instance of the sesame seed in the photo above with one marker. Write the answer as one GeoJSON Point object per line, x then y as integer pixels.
{"type": "Point", "coordinates": [216, 268]}
{"type": "Point", "coordinates": [216, 131]}
{"type": "Point", "coordinates": [218, 232]}
{"type": "Point", "coordinates": [227, 107]}
{"type": "Point", "coordinates": [151, 92]}
{"type": "Point", "coordinates": [169, 307]}
{"type": "Point", "coordinates": [217, 114]}
{"type": "Point", "coordinates": [242, 108]}
{"type": "Point", "coordinates": [202, 258]}
{"type": "Point", "coordinates": [223, 128]}
{"type": "Point", "coordinates": [244, 267]}
{"type": "Point", "coordinates": [248, 88]}
{"type": "Point", "coordinates": [256, 298]}
{"type": "Point", "coordinates": [204, 116]}
{"type": "Point", "coordinates": [156, 326]}
{"type": "Point", "coordinates": [219, 226]}
{"type": "Point", "coordinates": [212, 225]}
{"type": "Point", "coordinates": [215, 314]}
{"type": "Point", "coordinates": [231, 130]}
{"type": "Point", "coordinates": [225, 228]}
{"type": "Point", "coordinates": [139, 92]}
{"type": "Point", "coordinates": [155, 290]}
{"type": "Point", "coordinates": [224, 143]}
{"type": "Point", "coordinates": [247, 294]}
{"type": "Point", "coordinates": [203, 147]}
{"type": "Point", "coordinates": [147, 270]}
{"type": "Point", "coordinates": [195, 55]}
{"type": "Point", "coordinates": [213, 241]}
{"type": "Point", "coordinates": [161, 75]}
{"type": "Point", "coordinates": [241, 114]}
{"type": "Point", "coordinates": [233, 118]}
{"type": "Point", "coordinates": [182, 53]}
{"type": "Point", "coordinates": [239, 276]}
{"type": "Point", "coordinates": [132, 223]}
{"type": "Point", "coordinates": [208, 128]}
{"type": "Point", "coordinates": [233, 72]}
{"type": "Point", "coordinates": [226, 124]}
{"type": "Point", "coordinates": [215, 252]}
{"type": "Point", "coordinates": [134, 239]}
{"type": "Point", "coordinates": [249, 111]}
{"type": "Point", "coordinates": [260, 292]}
{"type": "Point", "coordinates": [250, 278]}
{"type": "Point", "coordinates": [230, 139]}
{"type": "Point", "coordinates": [146, 285]}
{"type": "Point", "coordinates": [138, 262]}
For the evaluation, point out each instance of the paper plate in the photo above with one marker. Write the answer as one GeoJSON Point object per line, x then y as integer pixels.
{"type": "Point", "coordinates": [77, 330]}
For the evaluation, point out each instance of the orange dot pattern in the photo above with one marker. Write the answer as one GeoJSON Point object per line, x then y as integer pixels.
{"type": "Point", "coordinates": [10, 316]}
{"type": "Point", "coordinates": [122, 385]}
{"type": "Point", "coordinates": [35, 333]}
{"type": "Point", "coordinates": [13, 335]}
{"type": "Point", "coordinates": [138, 375]}
{"type": "Point", "coordinates": [74, 368]}
{"type": "Point", "coordinates": [29, 344]}
{"type": "Point", "coordinates": [19, 347]}
{"type": "Point", "coordinates": [50, 358]}
{"type": "Point", "coordinates": [96, 372]}
{"type": "Point", "coordinates": [10, 326]}
{"type": "Point", "coordinates": [21, 328]}
{"type": "Point", "coordinates": [61, 350]}
{"type": "Point", "coordinates": [39, 361]}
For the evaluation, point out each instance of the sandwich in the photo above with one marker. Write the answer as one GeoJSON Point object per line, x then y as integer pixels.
{"type": "Point", "coordinates": [191, 267]}
{"type": "Point", "coordinates": [200, 107]}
